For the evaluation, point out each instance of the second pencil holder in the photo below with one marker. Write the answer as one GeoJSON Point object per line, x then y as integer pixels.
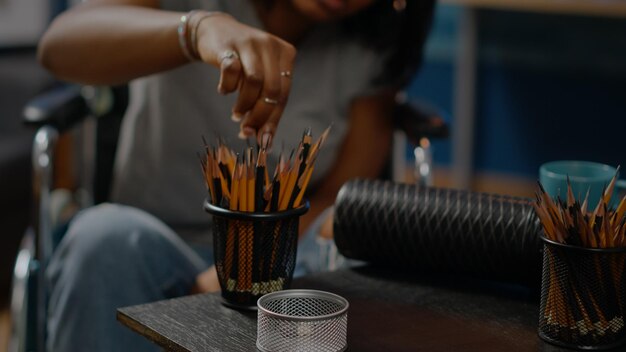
{"type": "Point", "coordinates": [583, 296]}
{"type": "Point", "coordinates": [255, 253]}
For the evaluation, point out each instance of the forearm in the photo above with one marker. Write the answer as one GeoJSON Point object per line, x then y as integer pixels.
{"type": "Point", "coordinates": [111, 44]}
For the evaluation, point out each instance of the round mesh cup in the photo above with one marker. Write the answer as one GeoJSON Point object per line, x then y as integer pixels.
{"type": "Point", "coordinates": [255, 253]}
{"type": "Point", "coordinates": [583, 296]}
{"type": "Point", "coordinates": [302, 320]}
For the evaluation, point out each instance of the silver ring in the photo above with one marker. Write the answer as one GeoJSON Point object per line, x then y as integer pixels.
{"type": "Point", "coordinates": [270, 101]}
{"type": "Point", "coordinates": [286, 74]}
{"type": "Point", "coordinates": [228, 54]}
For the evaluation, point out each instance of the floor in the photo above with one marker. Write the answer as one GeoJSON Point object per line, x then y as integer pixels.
{"type": "Point", "coordinates": [4, 330]}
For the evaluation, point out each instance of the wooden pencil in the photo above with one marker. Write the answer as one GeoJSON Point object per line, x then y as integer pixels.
{"type": "Point", "coordinates": [305, 182]}
{"type": "Point", "coordinates": [241, 183]}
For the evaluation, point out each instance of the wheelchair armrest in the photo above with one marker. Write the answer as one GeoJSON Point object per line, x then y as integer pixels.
{"type": "Point", "coordinates": [61, 107]}
{"type": "Point", "coordinates": [418, 120]}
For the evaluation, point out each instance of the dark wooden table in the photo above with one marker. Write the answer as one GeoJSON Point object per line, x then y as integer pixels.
{"type": "Point", "coordinates": [388, 312]}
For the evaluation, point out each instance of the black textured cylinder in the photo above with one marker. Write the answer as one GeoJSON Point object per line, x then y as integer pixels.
{"type": "Point", "coordinates": [439, 230]}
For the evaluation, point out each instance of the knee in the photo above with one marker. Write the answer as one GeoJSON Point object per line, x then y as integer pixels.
{"type": "Point", "coordinates": [109, 236]}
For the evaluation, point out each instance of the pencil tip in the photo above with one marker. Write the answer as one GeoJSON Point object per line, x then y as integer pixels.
{"type": "Point", "coordinates": [541, 186]}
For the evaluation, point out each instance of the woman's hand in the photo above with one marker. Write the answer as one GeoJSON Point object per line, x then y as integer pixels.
{"type": "Point", "coordinates": [206, 281]}
{"type": "Point", "coordinates": [256, 64]}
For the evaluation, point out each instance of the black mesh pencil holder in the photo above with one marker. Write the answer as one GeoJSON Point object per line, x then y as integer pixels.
{"type": "Point", "coordinates": [255, 253]}
{"type": "Point", "coordinates": [582, 296]}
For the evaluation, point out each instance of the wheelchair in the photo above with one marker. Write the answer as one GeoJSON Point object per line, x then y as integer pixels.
{"type": "Point", "coordinates": [61, 110]}
{"type": "Point", "coordinates": [55, 112]}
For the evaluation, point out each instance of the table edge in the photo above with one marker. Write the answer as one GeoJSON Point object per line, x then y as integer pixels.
{"type": "Point", "coordinates": [147, 332]}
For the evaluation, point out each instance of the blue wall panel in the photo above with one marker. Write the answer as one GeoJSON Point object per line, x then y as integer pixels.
{"type": "Point", "coordinates": [549, 87]}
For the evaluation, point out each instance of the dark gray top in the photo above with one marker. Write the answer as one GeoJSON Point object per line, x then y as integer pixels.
{"type": "Point", "coordinates": [157, 168]}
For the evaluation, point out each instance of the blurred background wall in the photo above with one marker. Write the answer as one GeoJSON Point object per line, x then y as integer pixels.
{"type": "Point", "coordinates": [21, 22]}
{"type": "Point", "coordinates": [548, 87]}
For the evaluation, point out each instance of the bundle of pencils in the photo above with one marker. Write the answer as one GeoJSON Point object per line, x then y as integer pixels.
{"type": "Point", "coordinates": [252, 258]}
{"type": "Point", "coordinates": [240, 181]}
{"type": "Point", "coordinates": [583, 291]}
{"type": "Point", "coordinates": [569, 222]}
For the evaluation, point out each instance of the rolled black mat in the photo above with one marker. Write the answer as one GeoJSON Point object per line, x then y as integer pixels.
{"type": "Point", "coordinates": [439, 230]}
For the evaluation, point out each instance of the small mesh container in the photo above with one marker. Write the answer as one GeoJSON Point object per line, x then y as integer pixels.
{"type": "Point", "coordinates": [255, 253]}
{"type": "Point", "coordinates": [302, 320]}
{"type": "Point", "coordinates": [583, 296]}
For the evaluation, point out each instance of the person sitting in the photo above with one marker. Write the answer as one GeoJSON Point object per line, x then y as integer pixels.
{"type": "Point", "coordinates": [255, 69]}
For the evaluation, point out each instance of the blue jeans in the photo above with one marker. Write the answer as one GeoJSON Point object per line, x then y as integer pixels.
{"type": "Point", "coordinates": [115, 256]}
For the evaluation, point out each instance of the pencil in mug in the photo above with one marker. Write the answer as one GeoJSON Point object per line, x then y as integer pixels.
{"type": "Point", "coordinates": [569, 222]}
{"type": "Point", "coordinates": [232, 227]}
{"type": "Point", "coordinates": [243, 185]}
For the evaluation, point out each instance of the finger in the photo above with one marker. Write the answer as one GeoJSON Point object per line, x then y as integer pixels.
{"type": "Point", "coordinates": [256, 123]}
{"type": "Point", "coordinates": [230, 72]}
{"type": "Point", "coordinates": [285, 67]}
{"type": "Point", "coordinates": [268, 129]}
{"type": "Point", "coordinates": [251, 81]}
{"type": "Point", "coordinates": [266, 132]}
{"type": "Point", "coordinates": [271, 98]}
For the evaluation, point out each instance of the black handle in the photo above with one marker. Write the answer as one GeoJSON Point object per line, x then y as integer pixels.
{"type": "Point", "coordinates": [419, 120]}
{"type": "Point", "coordinates": [61, 107]}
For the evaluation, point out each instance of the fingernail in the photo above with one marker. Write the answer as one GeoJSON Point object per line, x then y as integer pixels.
{"type": "Point", "coordinates": [236, 117]}
{"type": "Point", "coordinates": [249, 131]}
{"type": "Point", "coordinates": [266, 139]}
{"type": "Point", "coordinates": [246, 132]}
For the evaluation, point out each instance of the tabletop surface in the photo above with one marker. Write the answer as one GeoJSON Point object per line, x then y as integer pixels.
{"type": "Point", "coordinates": [388, 312]}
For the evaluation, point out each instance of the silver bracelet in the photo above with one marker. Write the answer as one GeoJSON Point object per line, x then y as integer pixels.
{"type": "Point", "coordinates": [194, 32]}
{"type": "Point", "coordinates": [183, 30]}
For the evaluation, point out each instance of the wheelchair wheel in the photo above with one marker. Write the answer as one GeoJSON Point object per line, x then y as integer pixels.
{"type": "Point", "coordinates": [23, 297]}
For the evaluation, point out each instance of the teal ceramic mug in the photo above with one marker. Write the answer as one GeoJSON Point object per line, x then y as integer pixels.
{"type": "Point", "coordinates": [583, 176]}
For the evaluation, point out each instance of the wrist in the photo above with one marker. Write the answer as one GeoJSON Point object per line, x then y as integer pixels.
{"type": "Point", "coordinates": [188, 32]}
{"type": "Point", "coordinates": [198, 26]}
